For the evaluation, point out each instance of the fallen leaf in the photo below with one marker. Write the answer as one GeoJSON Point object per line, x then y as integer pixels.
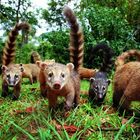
{"type": "Point", "coordinates": [29, 109]}
{"type": "Point", "coordinates": [68, 128]}
{"type": "Point", "coordinates": [124, 121]}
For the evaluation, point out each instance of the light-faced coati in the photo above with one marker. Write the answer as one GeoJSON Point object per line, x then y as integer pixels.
{"type": "Point", "coordinates": [126, 81]}
{"type": "Point", "coordinates": [11, 73]}
{"type": "Point", "coordinates": [34, 57]}
{"type": "Point", "coordinates": [63, 80]}
{"type": "Point", "coordinates": [99, 82]}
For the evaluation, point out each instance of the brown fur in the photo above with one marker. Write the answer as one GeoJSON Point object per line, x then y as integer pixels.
{"type": "Point", "coordinates": [35, 57]}
{"type": "Point", "coordinates": [9, 49]}
{"type": "Point", "coordinates": [30, 71]}
{"type": "Point", "coordinates": [76, 45]}
{"type": "Point", "coordinates": [63, 80]}
{"type": "Point", "coordinates": [68, 86]}
{"type": "Point", "coordinates": [12, 73]}
{"type": "Point", "coordinates": [42, 78]}
{"type": "Point", "coordinates": [86, 73]}
{"type": "Point", "coordinates": [126, 81]}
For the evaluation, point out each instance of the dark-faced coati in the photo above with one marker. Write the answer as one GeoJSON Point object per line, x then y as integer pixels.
{"type": "Point", "coordinates": [11, 73]}
{"type": "Point", "coordinates": [64, 80]}
{"type": "Point", "coordinates": [126, 81]}
{"type": "Point", "coordinates": [99, 82]}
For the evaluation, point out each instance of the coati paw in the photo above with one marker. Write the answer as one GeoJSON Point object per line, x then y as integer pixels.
{"type": "Point", "coordinates": [66, 107]}
{"type": "Point", "coordinates": [14, 98]}
{"type": "Point", "coordinates": [3, 95]}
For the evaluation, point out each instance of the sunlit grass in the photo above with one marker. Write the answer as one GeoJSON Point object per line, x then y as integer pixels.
{"type": "Point", "coordinates": [93, 122]}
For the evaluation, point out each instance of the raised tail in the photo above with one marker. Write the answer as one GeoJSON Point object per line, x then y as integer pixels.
{"type": "Point", "coordinates": [9, 49]}
{"type": "Point", "coordinates": [76, 39]}
{"type": "Point", "coordinates": [124, 57]}
{"type": "Point", "coordinates": [107, 54]}
{"type": "Point", "coordinates": [35, 57]}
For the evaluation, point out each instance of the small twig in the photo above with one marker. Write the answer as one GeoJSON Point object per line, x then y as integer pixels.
{"type": "Point", "coordinates": [104, 129]}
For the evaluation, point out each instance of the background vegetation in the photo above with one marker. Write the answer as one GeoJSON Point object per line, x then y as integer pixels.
{"type": "Point", "coordinates": [115, 22]}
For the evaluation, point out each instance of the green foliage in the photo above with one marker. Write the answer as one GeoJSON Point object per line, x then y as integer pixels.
{"type": "Point", "coordinates": [23, 52]}
{"type": "Point", "coordinates": [54, 45]}
{"type": "Point", "coordinates": [53, 15]}
{"type": "Point", "coordinates": [12, 11]}
{"type": "Point", "coordinates": [101, 23]}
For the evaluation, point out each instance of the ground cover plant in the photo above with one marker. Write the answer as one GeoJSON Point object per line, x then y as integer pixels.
{"type": "Point", "coordinates": [29, 118]}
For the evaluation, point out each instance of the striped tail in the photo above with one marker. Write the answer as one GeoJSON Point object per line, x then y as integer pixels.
{"type": "Point", "coordinates": [10, 45]}
{"type": "Point", "coordinates": [106, 54]}
{"type": "Point", "coordinates": [76, 46]}
{"type": "Point", "coordinates": [123, 58]}
{"type": "Point", "coordinates": [35, 57]}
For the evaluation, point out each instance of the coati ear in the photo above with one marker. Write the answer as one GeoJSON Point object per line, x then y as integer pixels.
{"type": "Point", "coordinates": [53, 60]}
{"type": "Point", "coordinates": [4, 68]}
{"type": "Point", "coordinates": [38, 63]}
{"type": "Point", "coordinates": [43, 65]}
{"type": "Point", "coordinates": [108, 81]}
{"type": "Point", "coordinates": [70, 66]}
{"type": "Point", "coordinates": [92, 79]}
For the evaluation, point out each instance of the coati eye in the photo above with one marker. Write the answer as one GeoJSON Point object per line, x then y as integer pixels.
{"type": "Point", "coordinates": [96, 87]}
{"type": "Point", "coordinates": [50, 74]}
{"type": "Point", "coordinates": [103, 88]}
{"type": "Point", "coordinates": [8, 75]}
{"type": "Point", "coordinates": [16, 76]}
{"type": "Point", "coordinates": [63, 75]}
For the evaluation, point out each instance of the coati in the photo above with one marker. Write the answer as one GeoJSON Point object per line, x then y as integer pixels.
{"type": "Point", "coordinates": [12, 73]}
{"type": "Point", "coordinates": [99, 82]}
{"type": "Point", "coordinates": [60, 79]}
{"type": "Point", "coordinates": [30, 71]}
{"type": "Point", "coordinates": [35, 57]}
{"type": "Point", "coordinates": [126, 81]}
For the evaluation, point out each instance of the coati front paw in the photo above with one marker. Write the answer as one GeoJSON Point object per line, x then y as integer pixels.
{"type": "Point", "coordinates": [66, 107]}
{"type": "Point", "coordinates": [14, 98]}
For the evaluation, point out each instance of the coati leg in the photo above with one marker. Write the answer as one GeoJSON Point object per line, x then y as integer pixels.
{"type": "Point", "coordinates": [69, 101]}
{"type": "Point", "coordinates": [124, 105]}
{"type": "Point", "coordinates": [31, 79]}
{"type": "Point", "coordinates": [16, 94]}
{"type": "Point", "coordinates": [43, 90]}
{"type": "Point", "coordinates": [34, 79]}
{"type": "Point", "coordinates": [76, 100]}
{"type": "Point", "coordinates": [117, 97]}
{"type": "Point", "coordinates": [52, 101]}
{"type": "Point", "coordinates": [4, 90]}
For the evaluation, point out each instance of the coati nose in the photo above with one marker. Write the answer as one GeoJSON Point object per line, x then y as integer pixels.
{"type": "Point", "coordinates": [56, 86]}
{"type": "Point", "coordinates": [100, 96]}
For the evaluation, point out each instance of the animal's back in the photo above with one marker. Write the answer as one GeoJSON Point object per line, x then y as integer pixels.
{"type": "Point", "coordinates": [126, 74]}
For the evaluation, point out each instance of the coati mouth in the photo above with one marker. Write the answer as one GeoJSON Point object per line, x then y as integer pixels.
{"type": "Point", "coordinates": [11, 85]}
{"type": "Point", "coordinates": [56, 86]}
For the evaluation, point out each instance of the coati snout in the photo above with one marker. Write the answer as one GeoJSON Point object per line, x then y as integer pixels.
{"type": "Point", "coordinates": [58, 75]}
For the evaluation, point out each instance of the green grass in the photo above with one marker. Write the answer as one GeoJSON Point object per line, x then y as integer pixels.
{"type": "Point", "coordinates": [93, 123]}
